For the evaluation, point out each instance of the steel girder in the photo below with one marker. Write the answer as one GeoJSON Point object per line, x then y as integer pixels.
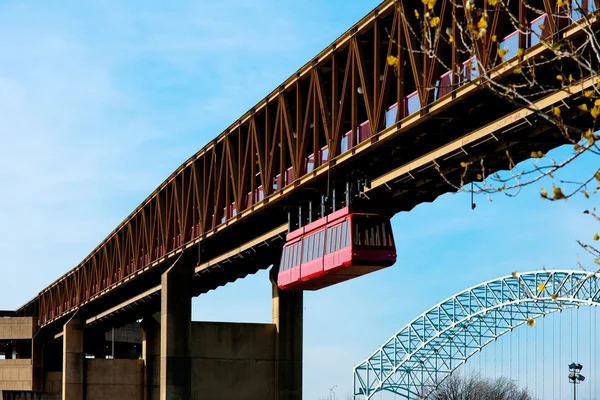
{"type": "Point", "coordinates": [266, 154]}
{"type": "Point", "coordinates": [248, 167]}
{"type": "Point", "coordinates": [428, 349]}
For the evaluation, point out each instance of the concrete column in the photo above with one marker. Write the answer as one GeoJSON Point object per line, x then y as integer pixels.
{"type": "Point", "coordinates": [175, 330]}
{"type": "Point", "coordinates": [73, 361]}
{"type": "Point", "coordinates": [287, 316]}
{"type": "Point", "coordinates": [37, 359]}
{"type": "Point", "coordinates": [151, 357]}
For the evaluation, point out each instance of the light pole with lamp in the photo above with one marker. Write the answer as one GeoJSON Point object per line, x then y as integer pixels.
{"type": "Point", "coordinates": [332, 392]}
{"type": "Point", "coordinates": [575, 377]}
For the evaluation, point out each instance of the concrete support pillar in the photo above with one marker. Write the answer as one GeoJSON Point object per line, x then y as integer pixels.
{"type": "Point", "coordinates": [37, 359]}
{"type": "Point", "coordinates": [73, 379]}
{"type": "Point", "coordinates": [287, 316]}
{"type": "Point", "coordinates": [175, 331]}
{"type": "Point", "coordinates": [151, 357]}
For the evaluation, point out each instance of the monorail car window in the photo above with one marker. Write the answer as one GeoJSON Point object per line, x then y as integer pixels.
{"type": "Point", "coordinates": [313, 246]}
{"type": "Point", "coordinates": [372, 232]}
{"type": "Point", "coordinates": [289, 260]}
{"type": "Point", "coordinates": [331, 239]}
{"type": "Point", "coordinates": [321, 242]}
{"type": "Point", "coordinates": [289, 257]}
{"type": "Point", "coordinates": [286, 259]}
{"type": "Point", "coordinates": [304, 249]}
{"type": "Point", "coordinates": [345, 242]}
{"type": "Point", "coordinates": [297, 254]}
{"type": "Point", "coordinates": [335, 239]}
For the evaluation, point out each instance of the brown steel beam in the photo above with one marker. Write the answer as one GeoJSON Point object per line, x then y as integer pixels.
{"type": "Point", "coordinates": [211, 186]}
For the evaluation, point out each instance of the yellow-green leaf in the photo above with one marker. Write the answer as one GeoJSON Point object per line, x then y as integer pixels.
{"type": "Point", "coordinates": [556, 111]}
{"type": "Point", "coordinates": [482, 24]}
{"type": "Point", "coordinates": [558, 193]}
{"type": "Point", "coordinates": [541, 287]}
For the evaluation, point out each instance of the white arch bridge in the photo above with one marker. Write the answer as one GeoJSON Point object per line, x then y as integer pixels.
{"type": "Point", "coordinates": [427, 350]}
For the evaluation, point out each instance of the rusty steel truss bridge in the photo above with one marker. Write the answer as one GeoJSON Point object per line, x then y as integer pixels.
{"type": "Point", "coordinates": [331, 129]}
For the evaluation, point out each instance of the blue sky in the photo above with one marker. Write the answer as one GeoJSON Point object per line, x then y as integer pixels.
{"type": "Point", "coordinates": [100, 102]}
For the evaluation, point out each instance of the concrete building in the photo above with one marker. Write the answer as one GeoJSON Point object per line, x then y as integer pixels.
{"type": "Point", "coordinates": [164, 356]}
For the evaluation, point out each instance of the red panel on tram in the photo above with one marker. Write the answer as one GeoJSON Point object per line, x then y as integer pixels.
{"type": "Point", "coordinates": [336, 248]}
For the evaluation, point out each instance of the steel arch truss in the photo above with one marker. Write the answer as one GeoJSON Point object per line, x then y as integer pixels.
{"type": "Point", "coordinates": [427, 350]}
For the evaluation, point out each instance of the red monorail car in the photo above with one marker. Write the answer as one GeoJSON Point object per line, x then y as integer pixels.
{"type": "Point", "coordinates": [336, 248]}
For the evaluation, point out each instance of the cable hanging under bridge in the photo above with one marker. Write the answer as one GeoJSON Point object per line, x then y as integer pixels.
{"type": "Point", "coordinates": [422, 354]}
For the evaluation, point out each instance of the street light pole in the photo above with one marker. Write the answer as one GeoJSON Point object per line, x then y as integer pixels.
{"type": "Point", "coordinates": [575, 377]}
{"type": "Point", "coordinates": [332, 392]}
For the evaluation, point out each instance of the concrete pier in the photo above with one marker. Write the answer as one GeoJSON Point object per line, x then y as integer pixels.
{"type": "Point", "coordinates": [151, 357]}
{"type": "Point", "coordinates": [73, 377]}
{"type": "Point", "coordinates": [175, 329]}
{"type": "Point", "coordinates": [288, 311]}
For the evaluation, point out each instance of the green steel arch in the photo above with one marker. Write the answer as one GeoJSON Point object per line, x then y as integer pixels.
{"type": "Point", "coordinates": [428, 349]}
